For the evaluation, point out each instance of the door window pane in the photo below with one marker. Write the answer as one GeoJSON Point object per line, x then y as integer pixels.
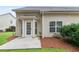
{"type": "Point", "coordinates": [28, 28]}
{"type": "Point", "coordinates": [35, 27]}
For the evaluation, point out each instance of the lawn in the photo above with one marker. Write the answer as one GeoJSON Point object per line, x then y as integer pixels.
{"type": "Point", "coordinates": [36, 50]}
{"type": "Point", "coordinates": [4, 36]}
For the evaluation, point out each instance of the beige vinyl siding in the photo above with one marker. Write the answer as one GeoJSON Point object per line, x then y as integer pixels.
{"type": "Point", "coordinates": [65, 18]}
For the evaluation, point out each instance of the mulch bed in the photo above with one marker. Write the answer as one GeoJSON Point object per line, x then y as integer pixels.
{"type": "Point", "coordinates": [11, 38]}
{"type": "Point", "coordinates": [57, 43]}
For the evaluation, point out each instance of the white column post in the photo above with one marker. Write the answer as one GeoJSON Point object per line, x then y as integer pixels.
{"type": "Point", "coordinates": [23, 29]}
{"type": "Point", "coordinates": [33, 28]}
{"type": "Point", "coordinates": [43, 25]}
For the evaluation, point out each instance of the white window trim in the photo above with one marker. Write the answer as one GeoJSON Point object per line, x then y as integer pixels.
{"type": "Point", "coordinates": [55, 26]}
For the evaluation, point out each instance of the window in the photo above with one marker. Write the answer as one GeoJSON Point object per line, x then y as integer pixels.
{"type": "Point", "coordinates": [28, 28]}
{"type": "Point", "coordinates": [35, 27]}
{"type": "Point", "coordinates": [59, 25]}
{"type": "Point", "coordinates": [55, 26]}
{"type": "Point", "coordinates": [52, 26]}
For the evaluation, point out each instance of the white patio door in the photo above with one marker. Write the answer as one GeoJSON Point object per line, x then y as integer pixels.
{"type": "Point", "coordinates": [28, 28]}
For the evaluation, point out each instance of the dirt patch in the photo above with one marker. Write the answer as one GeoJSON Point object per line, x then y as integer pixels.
{"type": "Point", "coordinates": [57, 43]}
{"type": "Point", "coordinates": [11, 38]}
{"type": "Point", "coordinates": [1, 33]}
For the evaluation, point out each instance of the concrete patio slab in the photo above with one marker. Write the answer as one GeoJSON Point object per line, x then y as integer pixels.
{"type": "Point", "coordinates": [22, 43]}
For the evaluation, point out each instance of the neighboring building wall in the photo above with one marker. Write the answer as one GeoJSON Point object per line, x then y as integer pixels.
{"type": "Point", "coordinates": [65, 18]}
{"type": "Point", "coordinates": [6, 20]}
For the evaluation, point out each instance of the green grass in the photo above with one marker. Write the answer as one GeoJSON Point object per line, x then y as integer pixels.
{"type": "Point", "coordinates": [36, 50]}
{"type": "Point", "coordinates": [4, 36]}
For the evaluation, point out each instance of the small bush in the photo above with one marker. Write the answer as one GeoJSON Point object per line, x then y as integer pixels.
{"type": "Point", "coordinates": [57, 35]}
{"type": "Point", "coordinates": [71, 33]}
{"type": "Point", "coordinates": [10, 29]}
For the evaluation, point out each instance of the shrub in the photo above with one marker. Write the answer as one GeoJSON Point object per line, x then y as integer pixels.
{"type": "Point", "coordinates": [10, 29]}
{"type": "Point", "coordinates": [57, 35]}
{"type": "Point", "coordinates": [71, 33]}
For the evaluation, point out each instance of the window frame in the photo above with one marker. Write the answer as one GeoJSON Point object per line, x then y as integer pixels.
{"type": "Point", "coordinates": [52, 26]}
{"type": "Point", "coordinates": [56, 26]}
{"type": "Point", "coordinates": [35, 27]}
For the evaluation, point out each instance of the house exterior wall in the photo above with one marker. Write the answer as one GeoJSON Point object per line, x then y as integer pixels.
{"type": "Point", "coordinates": [39, 26]}
{"type": "Point", "coordinates": [65, 18]}
{"type": "Point", "coordinates": [19, 27]}
{"type": "Point", "coordinates": [5, 21]}
{"type": "Point", "coordinates": [44, 20]}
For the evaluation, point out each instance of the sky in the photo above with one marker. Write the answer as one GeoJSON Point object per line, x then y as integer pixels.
{"type": "Point", "coordinates": [39, 2]}
{"type": "Point", "coordinates": [8, 9]}
{"type": "Point", "coordinates": [7, 5]}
